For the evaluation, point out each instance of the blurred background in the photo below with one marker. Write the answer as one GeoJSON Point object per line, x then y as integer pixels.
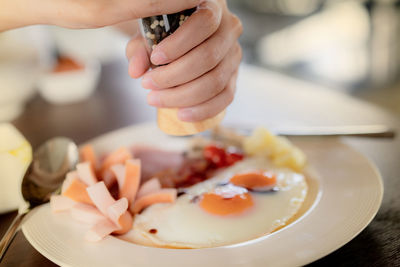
{"type": "Point", "coordinates": [347, 45]}
{"type": "Point", "coordinates": [351, 46]}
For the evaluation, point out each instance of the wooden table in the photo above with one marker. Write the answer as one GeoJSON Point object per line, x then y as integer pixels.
{"type": "Point", "coordinates": [262, 98]}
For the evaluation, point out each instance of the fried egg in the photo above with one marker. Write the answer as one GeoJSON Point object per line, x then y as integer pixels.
{"type": "Point", "coordinates": [247, 200]}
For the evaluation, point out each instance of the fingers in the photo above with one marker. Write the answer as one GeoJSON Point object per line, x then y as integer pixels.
{"type": "Point", "coordinates": [137, 55]}
{"type": "Point", "coordinates": [199, 26]}
{"type": "Point", "coordinates": [198, 61]}
{"type": "Point", "coordinates": [202, 89]}
{"type": "Point", "coordinates": [212, 107]}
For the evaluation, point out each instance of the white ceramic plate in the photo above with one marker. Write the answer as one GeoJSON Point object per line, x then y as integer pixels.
{"type": "Point", "coordinates": [345, 194]}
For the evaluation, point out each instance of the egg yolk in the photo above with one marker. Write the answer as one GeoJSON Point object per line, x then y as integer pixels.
{"type": "Point", "coordinates": [254, 180]}
{"type": "Point", "coordinates": [219, 205]}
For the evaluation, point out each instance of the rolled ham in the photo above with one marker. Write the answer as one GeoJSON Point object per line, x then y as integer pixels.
{"type": "Point", "coordinates": [100, 197]}
{"type": "Point", "coordinates": [86, 173]}
{"type": "Point", "coordinates": [61, 203]}
{"type": "Point", "coordinates": [87, 214]}
{"type": "Point", "coordinates": [155, 160]}
{"type": "Point", "coordinates": [100, 230]}
{"type": "Point", "coordinates": [148, 187]}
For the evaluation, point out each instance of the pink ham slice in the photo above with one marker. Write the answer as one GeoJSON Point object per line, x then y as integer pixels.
{"type": "Point", "coordinates": [68, 179]}
{"type": "Point", "coordinates": [87, 153]}
{"type": "Point", "coordinates": [130, 184]}
{"type": "Point", "coordinates": [167, 195]}
{"type": "Point", "coordinates": [156, 160]}
{"type": "Point", "coordinates": [100, 196]}
{"type": "Point", "coordinates": [116, 211]}
{"type": "Point", "coordinates": [60, 203]}
{"type": "Point", "coordinates": [108, 178]}
{"type": "Point", "coordinates": [119, 215]}
{"type": "Point", "coordinates": [100, 230]}
{"type": "Point", "coordinates": [86, 173]}
{"type": "Point", "coordinates": [119, 172]}
{"type": "Point", "coordinates": [75, 189]}
{"type": "Point", "coordinates": [148, 187]}
{"type": "Point", "coordinates": [86, 214]}
{"type": "Point", "coordinates": [119, 156]}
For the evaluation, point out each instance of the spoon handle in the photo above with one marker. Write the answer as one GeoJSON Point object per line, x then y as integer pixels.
{"type": "Point", "coordinates": [10, 234]}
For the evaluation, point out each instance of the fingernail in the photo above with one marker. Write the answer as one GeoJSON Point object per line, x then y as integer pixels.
{"type": "Point", "coordinates": [148, 83]}
{"type": "Point", "coordinates": [153, 99]}
{"type": "Point", "coordinates": [158, 57]}
{"type": "Point", "coordinates": [185, 114]}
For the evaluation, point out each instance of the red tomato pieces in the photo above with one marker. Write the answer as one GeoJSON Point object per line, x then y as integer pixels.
{"type": "Point", "coordinates": [220, 157]}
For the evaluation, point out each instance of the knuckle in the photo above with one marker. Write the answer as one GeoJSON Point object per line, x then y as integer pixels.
{"type": "Point", "coordinates": [237, 24]}
{"type": "Point", "coordinates": [212, 57]}
{"type": "Point", "coordinates": [211, 18]}
{"type": "Point", "coordinates": [219, 80]}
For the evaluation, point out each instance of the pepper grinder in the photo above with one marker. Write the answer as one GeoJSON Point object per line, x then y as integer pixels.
{"type": "Point", "coordinates": [155, 29]}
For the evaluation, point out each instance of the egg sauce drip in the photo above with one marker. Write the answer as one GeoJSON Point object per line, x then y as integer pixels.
{"type": "Point", "coordinates": [245, 201]}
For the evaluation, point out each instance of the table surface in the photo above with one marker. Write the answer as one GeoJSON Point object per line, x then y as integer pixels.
{"type": "Point", "coordinates": [263, 98]}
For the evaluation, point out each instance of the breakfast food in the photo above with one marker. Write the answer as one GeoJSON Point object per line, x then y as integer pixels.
{"type": "Point", "coordinates": [220, 191]}
{"type": "Point", "coordinates": [218, 212]}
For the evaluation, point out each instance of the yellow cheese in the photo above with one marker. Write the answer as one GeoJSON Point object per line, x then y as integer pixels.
{"type": "Point", "coordinates": [15, 157]}
{"type": "Point", "coordinates": [278, 149]}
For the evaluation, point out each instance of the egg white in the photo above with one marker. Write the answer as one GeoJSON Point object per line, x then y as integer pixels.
{"type": "Point", "coordinates": [184, 224]}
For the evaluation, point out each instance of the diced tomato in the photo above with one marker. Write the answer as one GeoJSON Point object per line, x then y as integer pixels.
{"type": "Point", "coordinates": [215, 155]}
{"type": "Point", "coordinates": [220, 157]}
{"type": "Point", "coordinates": [232, 158]}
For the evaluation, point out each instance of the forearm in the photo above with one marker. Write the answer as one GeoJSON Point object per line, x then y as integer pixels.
{"type": "Point", "coordinates": [18, 13]}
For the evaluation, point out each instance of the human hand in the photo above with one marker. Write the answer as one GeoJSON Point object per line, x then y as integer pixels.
{"type": "Point", "coordinates": [203, 57]}
{"type": "Point", "coordinates": [84, 13]}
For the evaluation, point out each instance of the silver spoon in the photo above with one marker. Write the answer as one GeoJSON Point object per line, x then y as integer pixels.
{"type": "Point", "coordinates": [51, 162]}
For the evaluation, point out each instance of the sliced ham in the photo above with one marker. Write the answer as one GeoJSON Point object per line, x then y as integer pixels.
{"type": "Point", "coordinates": [130, 184]}
{"type": "Point", "coordinates": [119, 172]}
{"type": "Point", "coordinates": [87, 154]}
{"type": "Point", "coordinates": [119, 215]}
{"type": "Point", "coordinates": [108, 178]}
{"type": "Point", "coordinates": [100, 230]}
{"type": "Point", "coordinates": [86, 214]}
{"type": "Point", "coordinates": [61, 203]}
{"type": "Point", "coordinates": [86, 173]}
{"type": "Point", "coordinates": [116, 210]}
{"type": "Point", "coordinates": [167, 195]}
{"type": "Point", "coordinates": [75, 189]}
{"type": "Point", "coordinates": [100, 196]}
{"type": "Point", "coordinates": [68, 179]}
{"type": "Point", "coordinates": [156, 160]}
{"type": "Point", "coordinates": [125, 223]}
{"type": "Point", "coordinates": [150, 186]}
{"type": "Point", "coordinates": [119, 156]}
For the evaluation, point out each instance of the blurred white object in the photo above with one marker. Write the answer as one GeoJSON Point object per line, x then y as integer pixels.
{"type": "Point", "coordinates": [333, 43]}
{"type": "Point", "coordinates": [104, 44]}
{"type": "Point", "coordinates": [15, 157]}
{"type": "Point", "coordinates": [19, 69]}
{"type": "Point", "coordinates": [70, 86]}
